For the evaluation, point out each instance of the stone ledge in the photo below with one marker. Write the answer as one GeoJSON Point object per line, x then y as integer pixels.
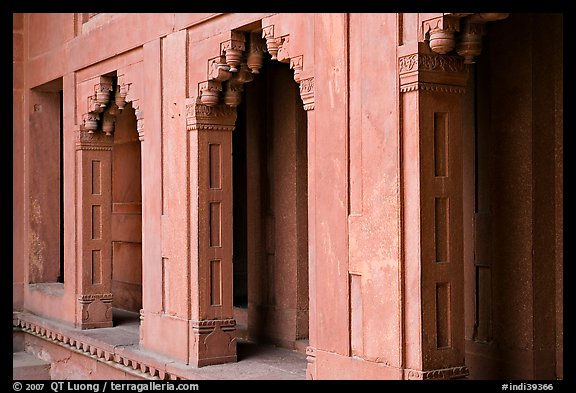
{"type": "Point", "coordinates": [112, 352]}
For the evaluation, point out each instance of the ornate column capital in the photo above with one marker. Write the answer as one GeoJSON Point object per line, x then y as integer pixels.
{"type": "Point", "coordinates": [424, 71]}
{"type": "Point", "coordinates": [201, 117]}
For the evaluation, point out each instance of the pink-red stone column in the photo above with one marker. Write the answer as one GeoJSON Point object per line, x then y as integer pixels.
{"type": "Point", "coordinates": [431, 98]}
{"type": "Point", "coordinates": [212, 324]}
{"type": "Point", "coordinates": [94, 183]}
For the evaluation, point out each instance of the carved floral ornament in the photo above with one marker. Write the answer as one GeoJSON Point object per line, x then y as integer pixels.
{"type": "Point", "coordinates": [240, 58]}
{"type": "Point", "coordinates": [460, 32]}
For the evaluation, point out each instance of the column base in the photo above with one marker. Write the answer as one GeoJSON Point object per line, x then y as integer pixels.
{"type": "Point", "coordinates": [311, 363]}
{"type": "Point", "coordinates": [94, 311]}
{"type": "Point", "coordinates": [213, 342]}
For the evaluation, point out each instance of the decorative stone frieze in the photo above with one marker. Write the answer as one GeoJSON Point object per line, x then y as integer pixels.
{"type": "Point", "coordinates": [445, 373]}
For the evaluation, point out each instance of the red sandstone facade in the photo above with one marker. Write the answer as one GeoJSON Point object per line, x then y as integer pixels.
{"type": "Point", "coordinates": [381, 191]}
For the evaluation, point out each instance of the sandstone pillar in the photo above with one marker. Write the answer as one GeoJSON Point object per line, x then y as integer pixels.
{"type": "Point", "coordinates": [431, 98]}
{"type": "Point", "coordinates": [212, 325]}
{"type": "Point", "coordinates": [94, 181]}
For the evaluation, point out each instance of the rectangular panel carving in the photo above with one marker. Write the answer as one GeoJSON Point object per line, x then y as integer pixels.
{"type": "Point", "coordinates": [164, 294]}
{"type": "Point", "coordinates": [483, 304]}
{"type": "Point", "coordinates": [356, 315]}
{"type": "Point", "coordinates": [96, 177]}
{"type": "Point", "coordinates": [441, 228]}
{"type": "Point", "coordinates": [443, 315]}
{"type": "Point", "coordinates": [96, 267]}
{"type": "Point", "coordinates": [215, 157]}
{"type": "Point", "coordinates": [215, 283]}
{"type": "Point", "coordinates": [215, 224]}
{"type": "Point", "coordinates": [96, 222]}
{"type": "Point", "coordinates": [440, 144]}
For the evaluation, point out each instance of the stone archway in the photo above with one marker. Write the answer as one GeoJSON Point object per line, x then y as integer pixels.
{"type": "Point", "coordinates": [94, 147]}
{"type": "Point", "coordinates": [211, 118]}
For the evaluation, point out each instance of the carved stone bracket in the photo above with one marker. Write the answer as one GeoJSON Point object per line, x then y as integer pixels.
{"type": "Point", "coordinates": [462, 32]}
{"type": "Point", "coordinates": [97, 103]}
{"type": "Point", "coordinates": [307, 93]}
{"type": "Point", "coordinates": [240, 58]}
{"type": "Point", "coordinates": [256, 49]}
{"type": "Point", "coordinates": [233, 49]}
{"type": "Point", "coordinates": [103, 109]}
{"type": "Point", "coordinates": [441, 32]}
{"type": "Point", "coordinates": [297, 64]}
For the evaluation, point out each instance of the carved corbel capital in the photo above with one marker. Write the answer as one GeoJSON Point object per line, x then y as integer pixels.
{"type": "Point", "coordinates": [470, 41]}
{"type": "Point", "coordinates": [297, 64]}
{"type": "Point", "coordinates": [272, 43]}
{"type": "Point", "coordinates": [209, 92]}
{"type": "Point", "coordinates": [232, 49]}
{"type": "Point", "coordinates": [218, 70]}
{"type": "Point", "coordinates": [441, 33]}
{"type": "Point", "coordinates": [90, 121]}
{"type": "Point", "coordinates": [233, 94]}
{"type": "Point", "coordinates": [284, 49]}
{"type": "Point", "coordinates": [108, 121]}
{"type": "Point", "coordinates": [256, 49]}
{"type": "Point", "coordinates": [120, 95]}
{"type": "Point", "coordinates": [139, 113]}
{"type": "Point", "coordinates": [102, 91]}
{"type": "Point", "coordinates": [307, 93]}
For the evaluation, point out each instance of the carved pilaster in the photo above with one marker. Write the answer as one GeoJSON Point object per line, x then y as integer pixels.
{"type": "Point", "coordinates": [94, 177]}
{"type": "Point", "coordinates": [212, 326]}
{"type": "Point", "coordinates": [431, 105]}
